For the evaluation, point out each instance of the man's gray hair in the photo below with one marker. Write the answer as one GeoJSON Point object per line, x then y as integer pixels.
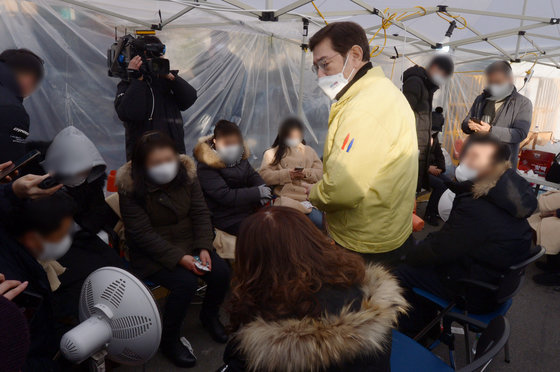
{"type": "Point", "coordinates": [499, 66]}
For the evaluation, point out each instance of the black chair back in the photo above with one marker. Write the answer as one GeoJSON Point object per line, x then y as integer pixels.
{"type": "Point", "coordinates": [512, 280]}
{"type": "Point", "coordinates": [491, 341]}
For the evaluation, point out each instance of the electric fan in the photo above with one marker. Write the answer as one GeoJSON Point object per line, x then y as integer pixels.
{"type": "Point", "coordinates": [119, 319]}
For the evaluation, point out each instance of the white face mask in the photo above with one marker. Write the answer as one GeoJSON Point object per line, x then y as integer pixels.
{"type": "Point", "coordinates": [164, 173]}
{"type": "Point", "coordinates": [500, 91]}
{"type": "Point", "coordinates": [53, 251]}
{"type": "Point", "coordinates": [230, 154]}
{"type": "Point", "coordinates": [438, 79]}
{"type": "Point", "coordinates": [464, 173]}
{"type": "Point", "coordinates": [333, 84]}
{"type": "Point", "coordinates": [292, 142]}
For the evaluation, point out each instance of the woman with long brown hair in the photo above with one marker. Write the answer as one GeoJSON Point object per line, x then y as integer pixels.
{"type": "Point", "coordinates": [300, 303]}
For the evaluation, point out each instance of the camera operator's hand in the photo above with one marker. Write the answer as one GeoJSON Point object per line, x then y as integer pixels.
{"type": "Point", "coordinates": [135, 64]}
{"type": "Point", "coordinates": [28, 187]}
{"type": "Point", "coordinates": [170, 76]}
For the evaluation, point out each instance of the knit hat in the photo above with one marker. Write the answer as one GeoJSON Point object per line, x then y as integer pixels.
{"type": "Point", "coordinates": [14, 338]}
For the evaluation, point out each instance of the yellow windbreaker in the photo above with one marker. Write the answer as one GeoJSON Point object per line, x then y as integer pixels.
{"type": "Point", "coordinates": [370, 166]}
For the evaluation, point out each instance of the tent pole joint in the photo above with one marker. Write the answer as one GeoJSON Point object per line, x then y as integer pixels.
{"type": "Point", "coordinates": [554, 21]}
{"type": "Point", "coordinates": [268, 16]}
{"type": "Point", "coordinates": [441, 8]}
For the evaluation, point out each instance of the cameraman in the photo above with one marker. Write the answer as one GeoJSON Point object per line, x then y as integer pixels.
{"type": "Point", "coordinates": [146, 102]}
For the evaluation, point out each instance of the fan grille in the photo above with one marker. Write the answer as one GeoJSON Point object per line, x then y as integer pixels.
{"type": "Point", "coordinates": [130, 355]}
{"type": "Point", "coordinates": [70, 347]}
{"type": "Point", "coordinates": [131, 326]}
{"type": "Point", "coordinates": [114, 292]}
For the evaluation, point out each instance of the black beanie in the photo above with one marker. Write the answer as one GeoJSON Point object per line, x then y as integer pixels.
{"type": "Point", "coordinates": [23, 60]}
{"type": "Point", "coordinates": [14, 337]}
{"type": "Point", "coordinates": [443, 62]}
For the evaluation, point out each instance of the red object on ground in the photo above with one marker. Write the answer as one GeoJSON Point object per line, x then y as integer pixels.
{"type": "Point", "coordinates": [537, 161]}
{"type": "Point", "coordinates": [111, 184]}
{"type": "Point", "coordinates": [457, 147]}
{"type": "Point", "coordinates": [417, 223]}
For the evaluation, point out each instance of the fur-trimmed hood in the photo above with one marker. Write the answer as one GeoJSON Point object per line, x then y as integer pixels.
{"type": "Point", "coordinates": [310, 344]}
{"type": "Point", "coordinates": [205, 154]}
{"type": "Point", "coordinates": [124, 174]}
{"type": "Point", "coordinates": [508, 190]}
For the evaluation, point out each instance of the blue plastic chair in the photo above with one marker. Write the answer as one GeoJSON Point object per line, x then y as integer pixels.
{"type": "Point", "coordinates": [509, 285]}
{"type": "Point", "coordinates": [409, 356]}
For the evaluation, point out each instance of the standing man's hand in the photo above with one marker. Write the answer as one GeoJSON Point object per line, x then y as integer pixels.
{"type": "Point", "coordinates": [482, 127]}
{"type": "Point", "coordinates": [472, 125]}
{"type": "Point", "coordinates": [28, 187]}
{"type": "Point", "coordinates": [170, 77]}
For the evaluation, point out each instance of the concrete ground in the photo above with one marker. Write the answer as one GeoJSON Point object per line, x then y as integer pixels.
{"type": "Point", "coordinates": [534, 340]}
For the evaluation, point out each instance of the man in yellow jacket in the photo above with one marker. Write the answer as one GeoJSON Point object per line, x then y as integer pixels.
{"type": "Point", "coordinates": [371, 151]}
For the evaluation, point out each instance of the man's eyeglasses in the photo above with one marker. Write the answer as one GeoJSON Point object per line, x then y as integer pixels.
{"type": "Point", "coordinates": [322, 64]}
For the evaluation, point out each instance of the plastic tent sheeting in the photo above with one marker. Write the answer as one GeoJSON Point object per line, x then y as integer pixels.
{"type": "Point", "coordinates": [249, 71]}
{"type": "Point", "coordinates": [240, 74]}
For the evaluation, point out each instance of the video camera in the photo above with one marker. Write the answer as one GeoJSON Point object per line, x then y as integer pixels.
{"type": "Point", "coordinates": [127, 47]}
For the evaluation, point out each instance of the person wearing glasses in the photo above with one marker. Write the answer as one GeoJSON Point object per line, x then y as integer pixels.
{"type": "Point", "coordinates": [370, 159]}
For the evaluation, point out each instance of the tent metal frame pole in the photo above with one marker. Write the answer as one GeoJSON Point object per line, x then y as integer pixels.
{"type": "Point", "coordinates": [290, 7]}
{"type": "Point", "coordinates": [429, 10]}
{"type": "Point", "coordinates": [494, 35]}
{"type": "Point", "coordinates": [107, 12]}
{"type": "Point", "coordinates": [399, 24]}
{"type": "Point", "coordinates": [305, 35]}
{"type": "Point", "coordinates": [479, 34]}
{"type": "Point", "coordinates": [520, 25]}
{"type": "Point", "coordinates": [557, 38]}
{"type": "Point", "coordinates": [500, 15]}
{"type": "Point", "coordinates": [242, 5]}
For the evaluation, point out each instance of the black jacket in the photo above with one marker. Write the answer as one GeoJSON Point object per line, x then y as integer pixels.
{"type": "Point", "coordinates": [144, 106]}
{"type": "Point", "coordinates": [486, 233]}
{"type": "Point", "coordinates": [14, 121]}
{"type": "Point", "coordinates": [436, 154]}
{"type": "Point", "coordinates": [169, 222]}
{"type": "Point", "coordinates": [353, 334]}
{"type": "Point", "coordinates": [511, 123]}
{"type": "Point", "coordinates": [232, 193]}
{"type": "Point", "coordinates": [17, 263]}
{"type": "Point", "coordinates": [419, 91]}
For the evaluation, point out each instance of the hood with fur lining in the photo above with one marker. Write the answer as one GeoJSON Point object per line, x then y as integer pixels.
{"type": "Point", "coordinates": [507, 190]}
{"type": "Point", "coordinates": [204, 153]}
{"type": "Point", "coordinates": [124, 174]}
{"type": "Point", "coordinates": [311, 344]}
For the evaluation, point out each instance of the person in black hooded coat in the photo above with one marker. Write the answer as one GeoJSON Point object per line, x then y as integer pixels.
{"type": "Point", "coordinates": [20, 73]}
{"type": "Point", "coordinates": [486, 233]}
{"type": "Point", "coordinates": [419, 86]}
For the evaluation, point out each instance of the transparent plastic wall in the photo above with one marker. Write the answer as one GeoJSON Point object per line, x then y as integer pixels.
{"type": "Point", "coordinates": [240, 75]}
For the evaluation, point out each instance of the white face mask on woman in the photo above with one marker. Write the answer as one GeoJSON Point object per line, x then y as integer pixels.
{"type": "Point", "coordinates": [333, 84]}
{"type": "Point", "coordinates": [292, 142]}
{"type": "Point", "coordinates": [438, 79]}
{"type": "Point", "coordinates": [53, 251]}
{"type": "Point", "coordinates": [164, 173]}
{"type": "Point", "coordinates": [230, 154]}
{"type": "Point", "coordinates": [464, 173]}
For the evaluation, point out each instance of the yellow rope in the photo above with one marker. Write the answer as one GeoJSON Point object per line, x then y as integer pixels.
{"type": "Point", "coordinates": [386, 23]}
{"type": "Point", "coordinates": [411, 60]}
{"type": "Point", "coordinates": [468, 72]}
{"type": "Point", "coordinates": [463, 21]}
{"type": "Point", "coordinates": [534, 63]}
{"type": "Point", "coordinates": [319, 12]}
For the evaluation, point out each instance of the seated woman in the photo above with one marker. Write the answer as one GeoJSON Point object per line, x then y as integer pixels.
{"type": "Point", "coordinates": [301, 303]}
{"type": "Point", "coordinates": [233, 189]}
{"type": "Point", "coordinates": [292, 166]}
{"type": "Point", "coordinates": [167, 224]}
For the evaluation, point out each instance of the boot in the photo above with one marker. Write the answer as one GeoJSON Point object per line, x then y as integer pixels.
{"type": "Point", "coordinates": [552, 263]}
{"type": "Point", "coordinates": [549, 279]}
{"type": "Point", "coordinates": [179, 351]}
{"type": "Point", "coordinates": [216, 329]}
